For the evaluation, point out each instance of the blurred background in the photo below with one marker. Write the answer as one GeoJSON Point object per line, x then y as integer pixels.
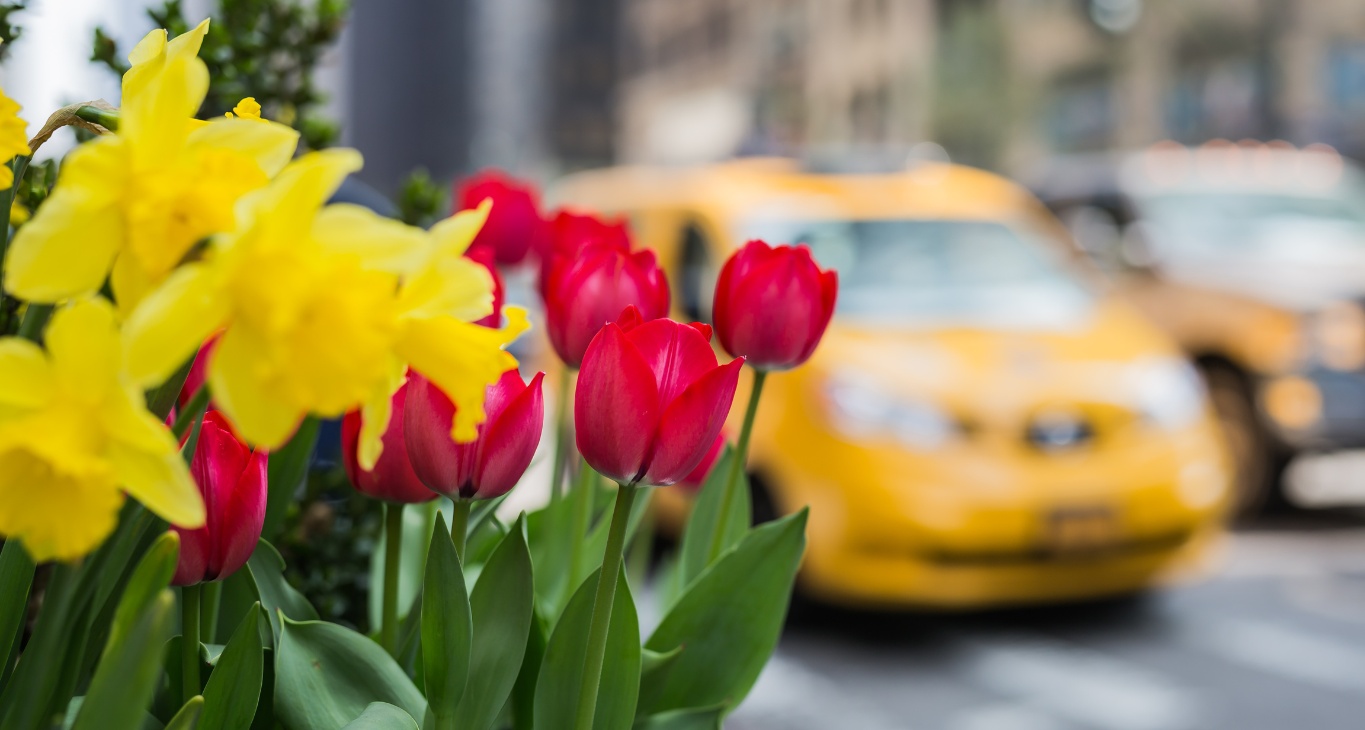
{"type": "Point", "coordinates": [1086, 441]}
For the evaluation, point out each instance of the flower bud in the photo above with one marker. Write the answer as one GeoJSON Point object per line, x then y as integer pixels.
{"type": "Point", "coordinates": [773, 305]}
{"type": "Point", "coordinates": [512, 223]}
{"type": "Point", "coordinates": [392, 478]}
{"type": "Point", "coordinates": [232, 479]}
{"type": "Point", "coordinates": [589, 290]}
{"type": "Point", "coordinates": [651, 399]}
{"type": "Point", "coordinates": [490, 465]}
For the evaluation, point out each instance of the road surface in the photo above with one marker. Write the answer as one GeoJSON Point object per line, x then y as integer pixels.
{"type": "Point", "coordinates": [1275, 640]}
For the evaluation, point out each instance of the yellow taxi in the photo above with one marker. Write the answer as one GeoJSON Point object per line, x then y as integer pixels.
{"type": "Point", "coordinates": [984, 424]}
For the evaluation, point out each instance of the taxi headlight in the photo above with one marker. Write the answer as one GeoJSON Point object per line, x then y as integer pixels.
{"type": "Point", "coordinates": [1338, 334]}
{"type": "Point", "coordinates": [860, 410]}
{"type": "Point", "coordinates": [1167, 392]}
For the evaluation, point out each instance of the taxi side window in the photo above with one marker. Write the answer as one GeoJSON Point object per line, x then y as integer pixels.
{"type": "Point", "coordinates": [695, 281]}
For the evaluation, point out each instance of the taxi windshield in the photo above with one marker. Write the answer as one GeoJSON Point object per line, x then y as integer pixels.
{"type": "Point", "coordinates": [971, 273]}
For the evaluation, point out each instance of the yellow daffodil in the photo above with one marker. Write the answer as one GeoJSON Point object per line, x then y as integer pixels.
{"type": "Point", "coordinates": [247, 108]}
{"type": "Point", "coordinates": [74, 436]}
{"type": "Point", "coordinates": [322, 309]}
{"type": "Point", "coordinates": [132, 205]}
{"type": "Point", "coordinates": [18, 214]}
{"type": "Point", "coordinates": [13, 138]}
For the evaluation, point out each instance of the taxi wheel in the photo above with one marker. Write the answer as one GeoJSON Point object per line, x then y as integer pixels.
{"type": "Point", "coordinates": [1256, 457]}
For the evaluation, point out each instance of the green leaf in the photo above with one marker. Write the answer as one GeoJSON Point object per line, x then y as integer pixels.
{"type": "Point", "coordinates": [130, 669]}
{"type": "Point", "coordinates": [561, 671]}
{"type": "Point", "coordinates": [267, 570]}
{"type": "Point", "coordinates": [728, 621]}
{"type": "Point", "coordinates": [188, 716]}
{"type": "Point", "coordinates": [654, 669]}
{"type": "Point", "coordinates": [29, 697]}
{"type": "Point", "coordinates": [523, 700]}
{"type": "Point", "coordinates": [503, 605]}
{"type": "Point", "coordinates": [382, 716]}
{"type": "Point", "coordinates": [234, 687]}
{"type": "Point", "coordinates": [153, 574]}
{"type": "Point", "coordinates": [16, 575]}
{"type": "Point", "coordinates": [706, 520]}
{"type": "Point", "coordinates": [446, 625]}
{"type": "Point", "coordinates": [596, 543]}
{"type": "Point", "coordinates": [326, 675]}
{"type": "Point", "coordinates": [703, 718]}
{"type": "Point", "coordinates": [286, 470]}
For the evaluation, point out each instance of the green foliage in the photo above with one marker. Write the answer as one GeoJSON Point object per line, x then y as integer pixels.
{"type": "Point", "coordinates": [421, 201]}
{"type": "Point", "coordinates": [327, 675]}
{"type": "Point", "coordinates": [234, 688]}
{"type": "Point", "coordinates": [267, 49]}
{"type": "Point", "coordinates": [9, 32]}
{"type": "Point", "coordinates": [502, 603]}
{"type": "Point", "coordinates": [446, 626]}
{"type": "Point", "coordinates": [706, 520]}
{"type": "Point", "coordinates": [382, 716]}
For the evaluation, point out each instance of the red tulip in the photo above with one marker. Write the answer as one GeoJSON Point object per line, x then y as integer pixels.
{"type": "Point", "coordinates": [511, 224]}
{"type": "Point", "coordinates": [392, 478]}
{"type": "Point", "coordinates": [493, 463]}
{"type": "Point", "coordinates": [485, 256]}
{"type": "Point", "coordinates": [651, 399]}
{"type": "Point", "coordinates": [194, 380]}
{"type": "Point", "coordinates": [569, 233]}
{"type": "Point", "coordinates": [773, 305]}
{"type": "Point", "coordinates": [232, 479]}
{"type": "Point", "coordinates": [697, 477]}
{"type": "Point", "coordinates": [589, 290]}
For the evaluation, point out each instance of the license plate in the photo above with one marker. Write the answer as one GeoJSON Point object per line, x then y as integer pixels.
{"type": "Point", "coordinates": [1080, 530]}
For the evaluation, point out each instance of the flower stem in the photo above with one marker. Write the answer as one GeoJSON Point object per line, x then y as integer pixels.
{"type": "Point", "coordinates": [393, 552]}
{"type": "Point", "coordinates": [601, 607]}
{"type": "Point", "coordinates": [737, 464]}
{"type": "Point", "coordinates": [580, 515]}
{"type": "Point", "coordinates": [35, 317]}
{"type": "Point", "coordinates": [208, 610]}
{"type": "Point", "coordinates": [459, 526]}
{"type": "Point", "coordinates": [107, 118]}
{"type": "Point", "coordinates": [189, 642]}
{"type": "Point", "coordinates": [561, 433]}
{"type": "Point", "coordinates": [195, 408]}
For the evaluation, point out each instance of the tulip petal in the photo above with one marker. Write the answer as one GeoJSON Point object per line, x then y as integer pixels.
{"type": "Point", "coordinates": [158, 479]}
{"type": "Point", "coordinates": [442, 465]}
{"type": "Point", "coordinates": [66, 249]}
{"type": "Point", "coordinates": [232, 479]}
{"type": "Point", "coordinates": [509, 441]}
{"type": "Point", "coordinates": [462, 359]}
{"type": "Point", "coordinates": [243, 518]}
{"type": "Point", "coordinates": [193, 562]}
{"type": "Point", "coordinates": [270, 144]}
{"type": "Point", "coordinates": [25, 375]}
{"type": "Point", "coordinates": [691, 423]}
{"type": "Point", "coordinates": [678, 354]}
{"type": "Point", "coordinates": [243, 391]}
{"type": "Point", "coordinates": [380, 243]}
{"type": "Point", "coordinates": [169, 325]}
{"type": "Point", "coordinates": [616, 406]}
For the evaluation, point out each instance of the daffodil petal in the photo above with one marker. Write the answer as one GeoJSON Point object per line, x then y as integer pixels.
{"type": "Point", "coordinates": [160, 480]}
{"type": "Point", "coordinates": [270, 144]}
{"type": "Point", "coordinates": [452, 286]}
{"type": "Point", "coordinates": [168, 326]}
{"type": "Point", "coordinates": [66, 249]}
{"type": "Point", "coordinates": [153, 120]}
{"type": "Point", "coordinates": [454, 234]}
{"type": "Point", "coordinates": [56, 516]}
{"type": "Point", "coordinates": [301, 188]}
{"type": "Point", "coordinates": [25, 376]}
{"type": "Point", "coordinates": [380, 243]}
{"type": "Point", "coordinates": [239, 387]}
{"type": "Point", "coordinates": [187, 44]}
{"type": "Point", "coordinates": [83, 344]}
{"type": "Point", "coordinates": [374, 420]}
{"type": "Point", "coordinates": [462, 359]}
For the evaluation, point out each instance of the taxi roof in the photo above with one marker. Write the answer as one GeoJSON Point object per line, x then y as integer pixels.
{"type": "Point", "coordinates": [753, 186]}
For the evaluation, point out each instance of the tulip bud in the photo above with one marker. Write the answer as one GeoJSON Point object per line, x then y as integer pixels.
{"type": "Point", "coordinates": [587, 291]}
{"type": "Point", "coordinates": [231, 478]}
{"type": "Point", "coordinates": [651, 399]}
{"type": "Point", "coordinates": [392, 478]}
{"type": "Point", "coordinates": [697, 477]}
{"type": "Point", "coordinates": [493, 463]}
{"type": "Point", "coordinates": [484, 255]}
{"type": "Point", "coordinates": [773, 305]}
{"type": "Point", "coordinates": [512, 223]}
{"type": "Point", "coordinates": [569, 233]}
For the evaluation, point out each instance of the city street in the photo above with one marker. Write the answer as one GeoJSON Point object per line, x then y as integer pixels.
{"type": "Point", "coordinates": [1275, 640]}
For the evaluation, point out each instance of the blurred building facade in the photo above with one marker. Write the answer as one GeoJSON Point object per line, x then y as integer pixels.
{"type": "Point", "coordinates": [1000, 83]}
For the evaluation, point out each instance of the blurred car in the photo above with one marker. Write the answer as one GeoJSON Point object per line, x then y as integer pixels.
{"type": "Point", "coordinates": [1253, 257]}
{"type": "Point", "coordinates": [983, 424]}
